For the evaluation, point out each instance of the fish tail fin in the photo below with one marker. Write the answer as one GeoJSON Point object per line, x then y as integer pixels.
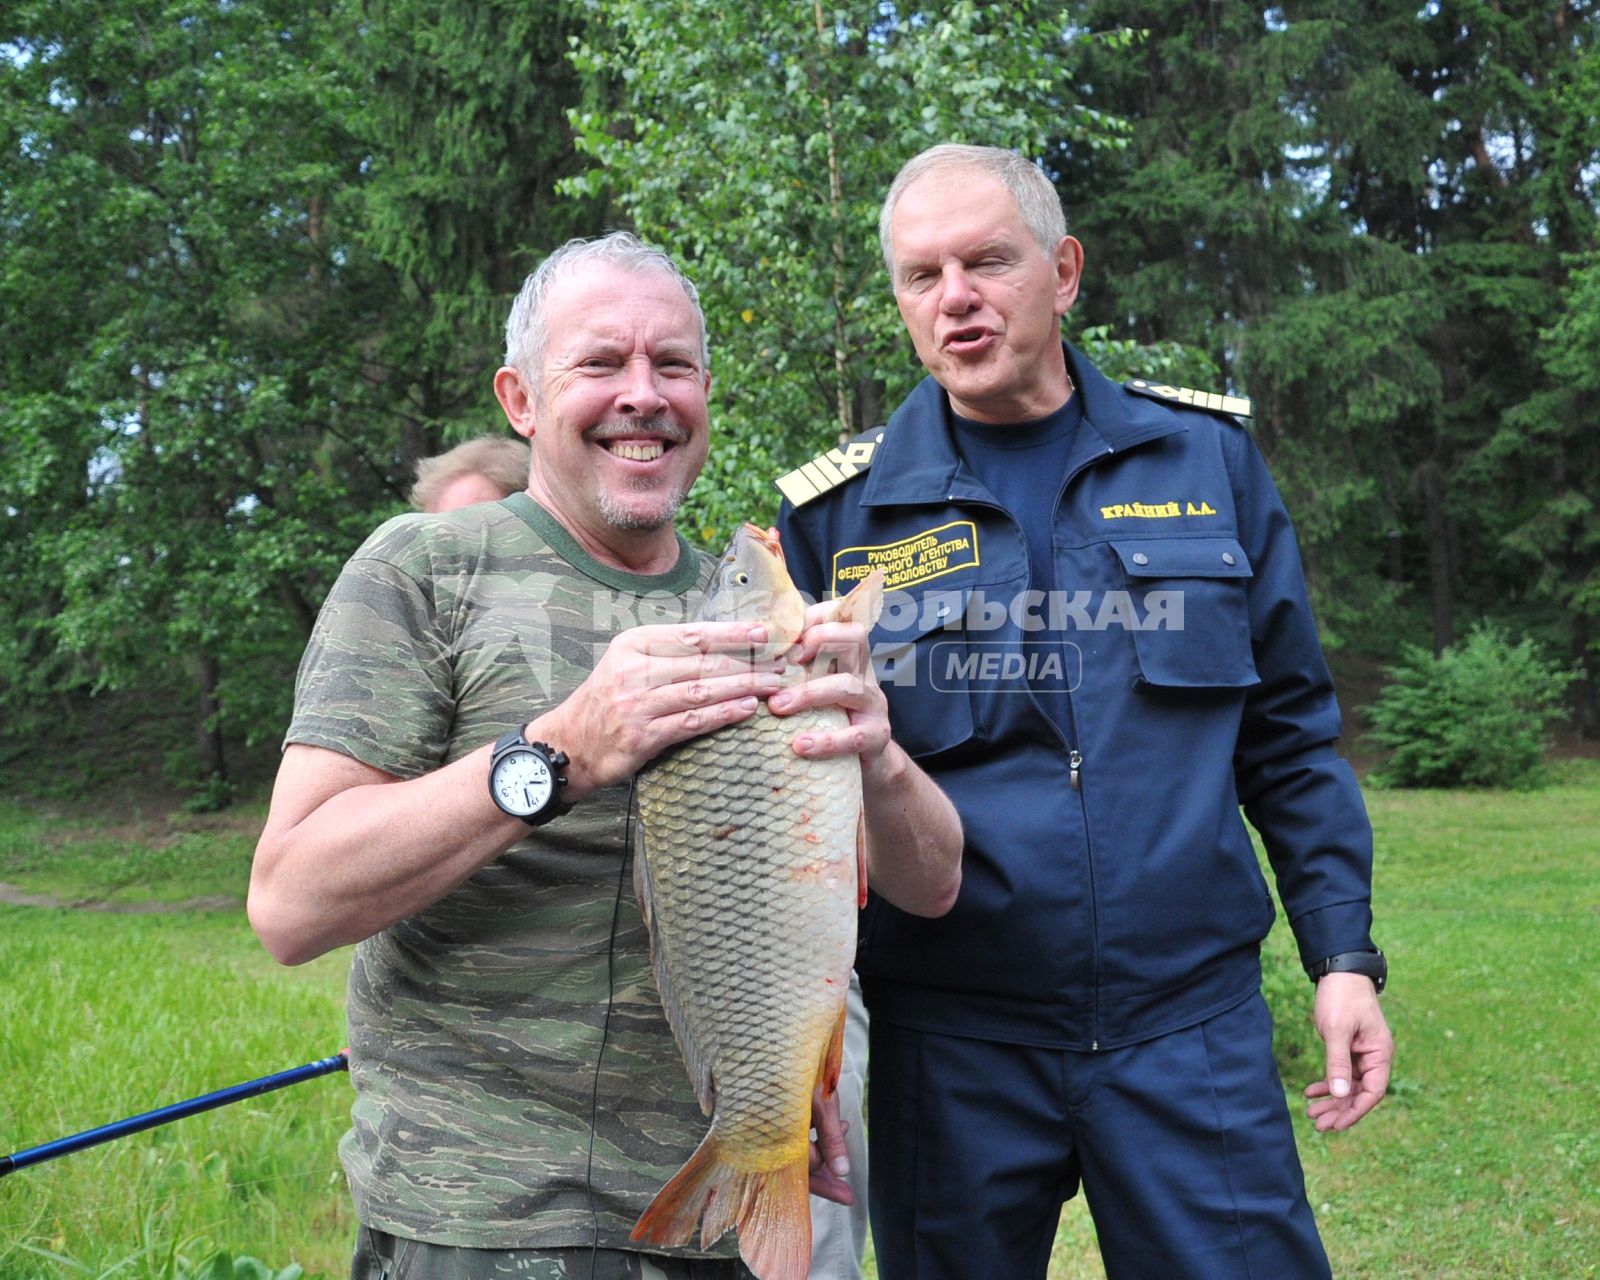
{"type": "Point", "coordinates": [772, 1210]}
{"type": "Point", "coordinates": [675, 1212]}
{"type": "Point", "coordinates": [775, 1223]}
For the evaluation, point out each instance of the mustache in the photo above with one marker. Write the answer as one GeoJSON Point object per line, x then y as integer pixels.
{"type": "Point", "coordinates": [626, 428]}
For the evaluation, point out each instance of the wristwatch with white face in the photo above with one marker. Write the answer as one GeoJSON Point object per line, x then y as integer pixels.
{"type": "Point", "coordinates": [525, 779]}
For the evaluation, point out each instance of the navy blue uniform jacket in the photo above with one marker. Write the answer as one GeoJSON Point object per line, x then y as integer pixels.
{"type": "Point", "coordinates": [1131, 904]}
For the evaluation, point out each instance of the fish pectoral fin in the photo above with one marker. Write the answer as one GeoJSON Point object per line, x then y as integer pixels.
{"type": "Point", "coordinates": [833, 1056]}
{"type": "Point", "coordinates": [861, 860]}
{"type": "Point", "coordinates": [864, 603]}
{"type": "Point", "coordinates": [772, 1211]}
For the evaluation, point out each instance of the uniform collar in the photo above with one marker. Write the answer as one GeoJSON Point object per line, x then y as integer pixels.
{"type": "Point", "coordinates": [917, 460]}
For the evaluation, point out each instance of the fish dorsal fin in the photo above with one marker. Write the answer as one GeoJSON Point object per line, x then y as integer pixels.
{"type": "Point", "coordinates": [831, 469]}
{"type": "Point", "coordinates": [1215, 402]}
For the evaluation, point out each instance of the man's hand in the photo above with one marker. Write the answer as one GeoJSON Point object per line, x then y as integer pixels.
{"type": "Point", "coordinates": [913, 833]}
{"type": "Point", "coordinates": [830, 1166]}
{"type": "Point", "coordinates": [653, 687]}
{"type": "Point", "coordinates": [845, 680]}
{"type": "Point", "coordinates": [1359, 1047]}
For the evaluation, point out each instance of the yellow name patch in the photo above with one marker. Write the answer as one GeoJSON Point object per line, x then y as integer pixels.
{"type": "Point", "coordinates": [1154, 510]}
{"type": "Point", "coordinates": [919, 558]}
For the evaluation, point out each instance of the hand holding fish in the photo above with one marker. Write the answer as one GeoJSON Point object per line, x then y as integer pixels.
{"type": "Point", "coordinates": [842, 677]}
{"type": "Point", "coordinates": [829, 1165]}
{"type": "Point", "coordinates": [656, 686]}
{"type": "Point", "coordinates": [913, 837]}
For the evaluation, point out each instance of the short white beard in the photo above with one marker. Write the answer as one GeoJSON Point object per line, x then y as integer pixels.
{"type": "Point", "coordinates": [628, 520]}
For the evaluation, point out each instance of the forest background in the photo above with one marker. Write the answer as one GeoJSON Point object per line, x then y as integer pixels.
{"type": "Point", "coordinates": [255, 258]}
{"type": "Point", "coordinates": [256, 255]}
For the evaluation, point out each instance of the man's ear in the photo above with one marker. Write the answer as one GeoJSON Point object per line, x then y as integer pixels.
{"type": "Point", "coordinates": [516, 398]}
{"type": "Point", "coordinates": [1068, 259]}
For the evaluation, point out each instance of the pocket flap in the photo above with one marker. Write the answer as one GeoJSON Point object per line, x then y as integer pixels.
{"type": "Point", "coordinates": [908, 616]}
{"type": "Point", "coordinates": [1183, 558]}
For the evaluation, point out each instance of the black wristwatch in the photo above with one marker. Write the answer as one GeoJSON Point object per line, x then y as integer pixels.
{"type": "Point", "coordinates": [1371, 963]}
{"type": "Point", "coordinates": [525, 778]}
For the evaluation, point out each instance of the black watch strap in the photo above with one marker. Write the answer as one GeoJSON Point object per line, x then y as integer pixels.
{"type": "Point", "coordinates": [559, 805]}
{"type": "Point", "coordinates": [1371, 964]}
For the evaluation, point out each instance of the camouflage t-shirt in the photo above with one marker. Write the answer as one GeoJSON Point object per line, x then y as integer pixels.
{"type": "Point", "coordinates": [476, 1026]}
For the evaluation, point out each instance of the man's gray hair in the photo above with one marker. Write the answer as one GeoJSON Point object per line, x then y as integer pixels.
{"type": "Point", "coordinates": [1037, 199]}
{"type": "Point", "coordinates": [525, 327]}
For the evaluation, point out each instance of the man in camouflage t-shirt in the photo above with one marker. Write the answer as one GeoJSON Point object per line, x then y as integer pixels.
{"type": "Point", "coordinates": [519, 1096]}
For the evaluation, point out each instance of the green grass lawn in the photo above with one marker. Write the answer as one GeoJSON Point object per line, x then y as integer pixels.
{"type": "Point", "coordinates": [168, 859]}
{"type": "Point", "coordinates": [1482, 1163]}
{"type": "Point", "coordinates": [103, 1016]}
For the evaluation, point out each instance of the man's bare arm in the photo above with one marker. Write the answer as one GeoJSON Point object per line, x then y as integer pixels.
{"type": "Point", "coordinates": [348, 849]}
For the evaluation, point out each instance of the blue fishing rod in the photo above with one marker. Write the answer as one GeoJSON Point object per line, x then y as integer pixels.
{"type": "Point", "coordinates": [176, 1111]}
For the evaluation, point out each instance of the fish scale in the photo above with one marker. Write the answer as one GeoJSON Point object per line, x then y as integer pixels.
{"type": "Point", "coordinates": [743, 961]}
{"type": "Point", "coordinates": [747, 873]}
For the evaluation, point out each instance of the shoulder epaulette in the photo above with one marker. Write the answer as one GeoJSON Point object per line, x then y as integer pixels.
{"type": "Point", "coordinates": [1238, 406]}
{"type": "Point", "coordinates": [830, 470]}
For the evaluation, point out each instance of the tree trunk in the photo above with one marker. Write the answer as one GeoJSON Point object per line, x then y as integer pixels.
{"type": "Point", "coordinates": [1440, 594]}
{"type": "Point", "coordinates": [208, 728]}
{"type": "Point", "coordinates": [1585, 702]}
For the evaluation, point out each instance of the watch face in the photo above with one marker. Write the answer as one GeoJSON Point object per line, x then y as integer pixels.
{"type": "Point", "coordinates": [523, 783]}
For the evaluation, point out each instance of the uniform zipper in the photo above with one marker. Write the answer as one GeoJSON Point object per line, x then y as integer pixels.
{"type": "Point", "coordinates": [1074, 756]}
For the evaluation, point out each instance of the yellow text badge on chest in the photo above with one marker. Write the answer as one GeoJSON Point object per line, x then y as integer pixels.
{"type": "Point", "coordinates": [919, 558]}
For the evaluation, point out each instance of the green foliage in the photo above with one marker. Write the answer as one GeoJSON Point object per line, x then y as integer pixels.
{"type": "Point", "coordinates": [756, 140]}
{"type": "Point", "coordinates": [1369, 216]}
{"type": "Point", "coordinates": [196, 1258]}
{"type": "Point", "coordinates": [1474, 716]}
{"type": "Point", "coordinates": [464, 115]}
{"type": "Point", "coordinates": [222, 1265]}
{"type": "Point", "coordinates": [254, 258]}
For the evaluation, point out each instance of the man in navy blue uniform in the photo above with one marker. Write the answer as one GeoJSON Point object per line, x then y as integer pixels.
{"type": "Point", "coordinates": [1099, 644]}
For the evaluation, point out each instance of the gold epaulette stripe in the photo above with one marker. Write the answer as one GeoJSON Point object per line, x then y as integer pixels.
{"type": "Point", "coordinates": [1238, 406]}
{"type": "Point", "coordinates": [828, 471]}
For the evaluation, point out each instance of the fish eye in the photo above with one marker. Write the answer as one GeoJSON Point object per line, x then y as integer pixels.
{"type": "Point", "coordinates": [742, 579]}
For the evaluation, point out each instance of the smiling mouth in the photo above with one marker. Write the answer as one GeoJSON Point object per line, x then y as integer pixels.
{"type": "Point", "coordinates": [639, 440]}
{"type": "Point", "coordinates": [635, 450]}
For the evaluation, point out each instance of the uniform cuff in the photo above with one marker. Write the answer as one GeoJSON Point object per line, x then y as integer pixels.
{"type": "Point", "coordinates": [1332, 930]}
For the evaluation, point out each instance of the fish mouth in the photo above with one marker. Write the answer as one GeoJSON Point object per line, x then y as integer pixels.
{"type": "Point", "coordinates": [768, 538]}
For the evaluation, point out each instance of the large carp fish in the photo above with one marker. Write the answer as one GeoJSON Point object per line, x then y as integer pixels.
{"type": "Point", "coordinates": [750, 874]}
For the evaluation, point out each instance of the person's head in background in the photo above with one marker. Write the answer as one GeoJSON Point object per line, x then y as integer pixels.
{"type": "Point", "coordinates": [482, 470]}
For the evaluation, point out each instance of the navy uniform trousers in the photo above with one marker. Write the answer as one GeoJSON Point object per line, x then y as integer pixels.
{"type": "Point", "coordinates": [1183, 1146]}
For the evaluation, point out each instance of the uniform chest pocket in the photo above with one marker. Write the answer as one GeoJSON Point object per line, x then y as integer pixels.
{"type": "Point", "coordinates": [1191, 594]}
{"type": "Point", "coordinates": [916, 651]}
